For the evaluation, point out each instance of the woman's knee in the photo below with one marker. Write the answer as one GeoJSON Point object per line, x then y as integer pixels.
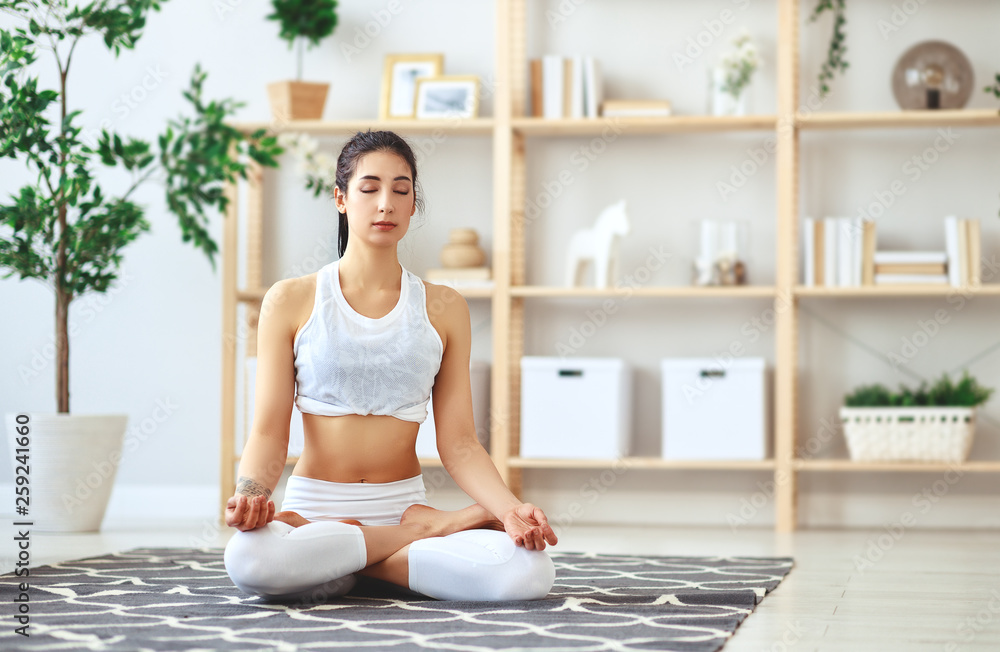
{"type": "Point", "coordinates": [527, 575]}
{"type": "Point", "coordinates": [249, 563]}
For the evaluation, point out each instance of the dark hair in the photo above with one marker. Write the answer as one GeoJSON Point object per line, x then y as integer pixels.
{"type": "Point", "coordinates": [366, 142]}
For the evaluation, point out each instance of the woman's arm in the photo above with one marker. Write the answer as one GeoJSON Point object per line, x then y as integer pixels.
{"type": "Point", "coordinates": [463, 456]}
{"type": "Point", "coordinates": [266, 449]}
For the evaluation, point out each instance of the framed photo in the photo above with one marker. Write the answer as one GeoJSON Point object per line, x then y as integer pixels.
{"type": "Point", "coordinates": [399, 82]}
{"type": "Point", "coordinates": [450, 96]}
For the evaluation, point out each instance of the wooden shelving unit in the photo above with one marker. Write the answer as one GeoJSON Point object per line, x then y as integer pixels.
{"type": "Point", "coordinates": [509, 129]}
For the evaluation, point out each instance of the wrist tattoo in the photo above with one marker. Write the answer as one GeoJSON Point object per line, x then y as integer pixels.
{"type": "Point", "coordinates": [250, 487]}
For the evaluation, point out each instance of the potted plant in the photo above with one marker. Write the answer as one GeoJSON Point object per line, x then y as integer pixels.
{"type": "Point", "coordinates": [301, 21]}
{"type": "Point", "coordinates": [926, 425]}
{"type": "Point", "coordinates": [65, 230]}
{"type": "Point", "coordinates": [731, 77]}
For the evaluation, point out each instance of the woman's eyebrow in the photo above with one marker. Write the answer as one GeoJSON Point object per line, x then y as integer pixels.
{"type": "Point", "coordinates": [378, 178]}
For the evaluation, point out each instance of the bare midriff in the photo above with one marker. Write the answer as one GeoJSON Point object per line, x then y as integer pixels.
{"type": "Point", "coordinates": [358, 448]}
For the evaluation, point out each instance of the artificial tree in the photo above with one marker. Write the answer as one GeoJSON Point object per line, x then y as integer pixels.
{"type": "Point", "coordinates": [63, 228]}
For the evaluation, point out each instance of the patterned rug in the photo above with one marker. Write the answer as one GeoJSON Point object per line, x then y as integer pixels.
{"type": "Point", "coordinates": [182, 599]}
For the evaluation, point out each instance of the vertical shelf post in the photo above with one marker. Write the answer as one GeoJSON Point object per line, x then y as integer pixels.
{"type": "Point", "coordinates": [786, 306]}
{"type": "Point", "coordinates": [229, 256]}
{"type": "Point", "coordinates": [509, 86]}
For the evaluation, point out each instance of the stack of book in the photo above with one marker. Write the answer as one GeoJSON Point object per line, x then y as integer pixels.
{"type": "Point", "coordinates": [895, 267]}
{"type": "Point", "coordinates": [840, 252]}
{"type": "Point", "coordinates": [635, 108]}
{"type": "Point", "coordinates": [471, 277]}
{"type": "Point", "coordinates": [565, 87]}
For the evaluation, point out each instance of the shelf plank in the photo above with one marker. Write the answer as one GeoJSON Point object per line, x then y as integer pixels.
{"type": "Point", "coordinates": [642, 463]}
{"type": "Point", "coordinates": [650, 125]}
{"type": "Point", "coordinates": [987, 466]}
{"type": "Point", "coordinates": [470, 126]}
{"type": "Point", "coordinates": [900, 119]}
{"type": "Point", "coordinates": [662, 291]}
{"type": "Point", "coordinates": [256, 296]}
{"type": "Point", "coordinates": [900, 290]}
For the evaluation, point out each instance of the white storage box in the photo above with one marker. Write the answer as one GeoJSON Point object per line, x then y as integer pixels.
{"type": "Point", "coordinates": [427, 435]}
{"type": "Point", "coordinates": [575, 407]}
{"type": "Point", "coordinates": [714, 411]}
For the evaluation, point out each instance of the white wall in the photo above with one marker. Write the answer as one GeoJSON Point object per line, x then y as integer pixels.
{"type": "Point", "coordinates": [158, 338]}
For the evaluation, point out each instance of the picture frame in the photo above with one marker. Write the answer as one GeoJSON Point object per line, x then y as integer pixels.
{"type": "Point", "coordinates": [399, 78]}
{"type": "Point", "coordinates": [447, 96]}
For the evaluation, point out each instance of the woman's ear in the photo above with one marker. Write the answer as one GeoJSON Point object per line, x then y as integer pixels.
{"type": "Point", "coordinates": [340, 200]}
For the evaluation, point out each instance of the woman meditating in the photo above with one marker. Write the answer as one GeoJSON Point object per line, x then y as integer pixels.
{"type": "Point", "coordinates": [360, 344]}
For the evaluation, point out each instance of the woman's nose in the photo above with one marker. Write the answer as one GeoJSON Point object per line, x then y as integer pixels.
{"type": "Point", "coordinates": [385, 203]}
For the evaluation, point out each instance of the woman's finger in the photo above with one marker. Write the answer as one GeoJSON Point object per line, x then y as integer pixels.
{"type": "Point", "coordinates": [238, 505]}
{"type": "Point", "coordinates": [261, 512]}
{"type": "Point", "coordinates": [251, 516]}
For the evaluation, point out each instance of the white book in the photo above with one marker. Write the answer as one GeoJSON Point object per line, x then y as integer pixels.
{"type": "Point", "coordinates": [951, 250]}
{"type": "Point", "coordinates": [845, 252]}
{"type": "Point", "coordinates": [808, 252]}
{"type": "Point", "coordinates": [830, 239]}
{"type": "Point", "coordinates": [576, 96]}
{"type": "Point", "coordinates": [894, 257]}
{"type": "Point", "coordinates": [552, 87]}
{"type": "Point", "coordinates": [593, 87]}
{"type": "Point", "coordinates": [888, 279]}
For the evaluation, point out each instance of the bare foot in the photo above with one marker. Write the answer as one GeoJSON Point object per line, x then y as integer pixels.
{"type": "Point", "coordinates": [292, 518]}
{"type": "Point", "coordinates": [439, 523]}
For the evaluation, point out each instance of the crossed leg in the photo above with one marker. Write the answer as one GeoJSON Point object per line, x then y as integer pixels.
{"type": "Point", "coordinates": [456, 555]}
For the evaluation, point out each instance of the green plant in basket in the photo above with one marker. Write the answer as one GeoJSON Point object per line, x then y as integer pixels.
{"type": "Point", "coordinates": [967, 392]}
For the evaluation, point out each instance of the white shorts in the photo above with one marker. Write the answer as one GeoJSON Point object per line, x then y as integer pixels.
{"type": "Point", "coordinates": [371, 503]}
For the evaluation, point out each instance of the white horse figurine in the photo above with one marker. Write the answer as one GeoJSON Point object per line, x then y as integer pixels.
{"type": "Point", "coordinates": [600, 245]}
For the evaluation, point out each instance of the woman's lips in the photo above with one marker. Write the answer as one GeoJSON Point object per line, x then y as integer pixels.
{"type": "Point", "coordinates": [384, 226]}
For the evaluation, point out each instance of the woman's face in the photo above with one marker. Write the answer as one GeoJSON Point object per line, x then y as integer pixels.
{"type": "Point", "coordinates": [379, 200]}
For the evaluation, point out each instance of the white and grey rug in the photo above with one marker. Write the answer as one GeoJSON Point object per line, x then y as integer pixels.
{"type": "Point", "coordinates": [182, 599]}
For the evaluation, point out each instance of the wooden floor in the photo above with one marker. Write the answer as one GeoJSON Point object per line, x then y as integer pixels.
{"type": "Point", "coordinates": [850, 589]}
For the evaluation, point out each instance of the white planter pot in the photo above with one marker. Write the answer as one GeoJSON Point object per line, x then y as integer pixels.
{"type": "Point", "coordinates": [722, 103]}
{"type": "Point", "coordinates": [72, 461]}
{"type": "Point", "coordinates": [916, 434]}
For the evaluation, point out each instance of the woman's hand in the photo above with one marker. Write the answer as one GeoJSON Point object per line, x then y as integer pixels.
{"type": "Point", "coordinates": [528, 527]}
{"type": "Point", "coordinates": [249, 513]}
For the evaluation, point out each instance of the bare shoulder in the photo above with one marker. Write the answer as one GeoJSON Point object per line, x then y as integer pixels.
{"type": "Point", "coordinates": [446, 308]}
{"type": "Point", "coordinates": [290, 301]}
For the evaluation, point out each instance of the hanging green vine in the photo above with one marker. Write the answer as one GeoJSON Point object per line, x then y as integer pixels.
{"type": "Point", "coordinates": [835, 61]}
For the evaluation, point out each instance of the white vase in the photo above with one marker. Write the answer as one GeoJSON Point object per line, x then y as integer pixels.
{"type": "Point", "coordinates": [720, 102]}
{"type": "Point", "coordinates": [72, 462]}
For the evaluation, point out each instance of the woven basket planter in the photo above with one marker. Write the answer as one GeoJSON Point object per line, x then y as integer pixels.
{"type": "Point", "coordinates": [910, 434]}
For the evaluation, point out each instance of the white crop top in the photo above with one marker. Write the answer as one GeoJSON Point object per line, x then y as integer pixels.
{"type": "Point", "coordinates": [346, 363]}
